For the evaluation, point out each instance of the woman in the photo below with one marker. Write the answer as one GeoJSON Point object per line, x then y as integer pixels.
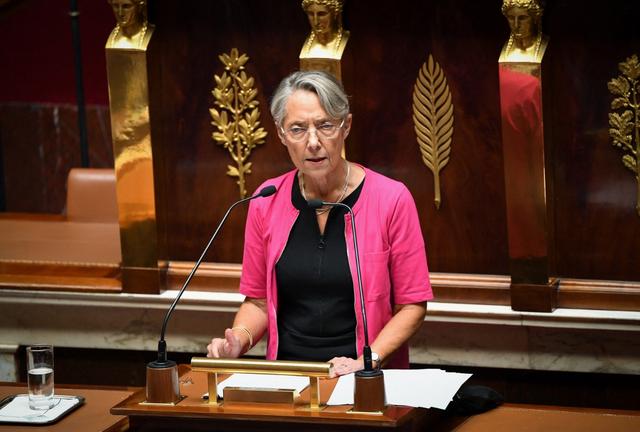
{"type": "Point", "coordinates": [299, 275]}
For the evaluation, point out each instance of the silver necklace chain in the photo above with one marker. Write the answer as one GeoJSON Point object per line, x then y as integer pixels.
{"type": "Point", "coordinates": [340, 198]}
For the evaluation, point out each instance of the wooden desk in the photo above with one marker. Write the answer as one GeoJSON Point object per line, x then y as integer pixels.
{"type": "Point", "coordinates": [531, 418]}
{"type": "Point", "coordinates": [195, 414]}
{"type": "Point", "coordinates": [93, 416]}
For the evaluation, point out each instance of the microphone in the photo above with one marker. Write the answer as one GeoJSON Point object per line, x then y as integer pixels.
{"type": "Point", "coordinates": [316, 204]}
{"type": "Point", "coordinates": [369, 389]}
{"type": "Point", "coordinates": [161, 363]}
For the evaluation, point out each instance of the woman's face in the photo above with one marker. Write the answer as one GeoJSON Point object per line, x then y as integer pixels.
{"type": "Point", "coordinates": [320, 19]}
{"type": "Point", "coordinates": [125, 12]}
{"type": "Point", "coordinates": [315, 157]}
{"type": "Point", "coordinates": [521, 23]}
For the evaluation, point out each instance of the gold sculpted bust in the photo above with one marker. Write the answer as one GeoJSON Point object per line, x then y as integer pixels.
{"type": "Point", "coordinates": [327, 38]}
{"type": "Point", "coordinates": [526, 42]}
{"type": "Point", "coordinates": [132, 30]}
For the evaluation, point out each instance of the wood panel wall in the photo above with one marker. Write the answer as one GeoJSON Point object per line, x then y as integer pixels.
{"type": "Point", "coordinates": [385, 51]}
{"type": "Point", "coordinates": [597, 231]}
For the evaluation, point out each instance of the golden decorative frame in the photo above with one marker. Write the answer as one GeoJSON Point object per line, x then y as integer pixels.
{"type": "Point", "coordinates": [433, 120]}
{"type": "Point", "coordinates": [625, 126]}
{"type": "Point", "coordinates": [238, 120]}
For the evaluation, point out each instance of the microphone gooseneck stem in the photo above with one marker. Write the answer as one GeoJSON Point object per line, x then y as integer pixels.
{"type": "Point", "coordinates": [366, 354]}
{"type": "Point", "coordinates": [359, 272]}
{"type": "Point", "coordinates": [162, 345]}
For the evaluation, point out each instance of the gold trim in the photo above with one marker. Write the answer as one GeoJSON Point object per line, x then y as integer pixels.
{"type": "Point", "coordinates": [279, 367]}
{"type": "Point", "coordinates": [238, 120]}
{"type": "Point", "coordinates": [313, 370]}
{"type": "Point", "coordinates": [433, 120]}
{"type": "Point", "coordinates": [625, 126]}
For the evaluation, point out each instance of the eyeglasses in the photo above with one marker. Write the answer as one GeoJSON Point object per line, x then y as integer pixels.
{"type": "Point", "coordinates": [326, 130]}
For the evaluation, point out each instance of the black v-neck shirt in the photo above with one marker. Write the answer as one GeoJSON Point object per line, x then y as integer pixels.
{"type": "Point", "coordinates": [316, 306]}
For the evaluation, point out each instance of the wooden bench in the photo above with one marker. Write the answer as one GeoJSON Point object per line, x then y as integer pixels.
{"type": "Point", "coordinates": [79, 250]}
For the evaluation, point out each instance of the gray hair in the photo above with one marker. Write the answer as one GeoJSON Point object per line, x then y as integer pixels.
{"type": "Point", "coordinates": [330, 92]}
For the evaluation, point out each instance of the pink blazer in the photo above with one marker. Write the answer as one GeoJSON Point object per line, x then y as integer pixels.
{"type": "Point", "coordinates": [392, 254]}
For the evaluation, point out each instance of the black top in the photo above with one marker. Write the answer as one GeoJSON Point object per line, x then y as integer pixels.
{"type": "Point", "coordinates": [316, 306]}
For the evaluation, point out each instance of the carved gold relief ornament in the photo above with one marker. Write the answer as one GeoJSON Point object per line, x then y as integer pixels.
{"type": "Point", "coordinates": [625, 124]}
{"type": "Point", "coordinates": [433, 120]}
{"type": "Point", "coordinates": [237, 122]}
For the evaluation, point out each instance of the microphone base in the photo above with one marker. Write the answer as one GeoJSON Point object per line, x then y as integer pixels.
{"type": "Point", "coordinates": [162, 382]}
{"type": "Point", "coordinates": [369, 396]}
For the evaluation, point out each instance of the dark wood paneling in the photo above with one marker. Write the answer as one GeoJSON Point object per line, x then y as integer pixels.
{"type": "Point", "coordinates": [598, 230]}
{"type": "Point", "coordinates": [40, 145]}
{"type": "Point", "coordinates": [193, 187]}
{"type": "Point", "coordinates": [389, 50]}
{"type": "Point", "coordinates": [571, 389]}
{"type": "Point", "coordinates": [380, 67]}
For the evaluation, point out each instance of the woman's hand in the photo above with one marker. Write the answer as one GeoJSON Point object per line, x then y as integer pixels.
{"type": "Point", "coordinates": [345, 365]}
{"type": "Point", "coordinates": [229, 347]}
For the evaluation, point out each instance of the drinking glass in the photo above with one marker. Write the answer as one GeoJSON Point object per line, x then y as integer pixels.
{"type": "Point", "coordinates": [40, 376]}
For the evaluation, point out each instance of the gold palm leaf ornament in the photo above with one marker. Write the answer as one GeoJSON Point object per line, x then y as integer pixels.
{"type": "Point", "coordinates": [433, 120]}
{"type": "Point", "coordinates": [625, 125]}
{"type": "Point", "coordinates": [238, 119]}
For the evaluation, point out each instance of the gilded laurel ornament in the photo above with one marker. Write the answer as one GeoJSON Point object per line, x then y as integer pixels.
{"type": "Point", "coordinates": [624, 120]}
{"type": "Point", "coordinates": [433, 120]}
{"type": "Point", "coordinates": [238, 119]}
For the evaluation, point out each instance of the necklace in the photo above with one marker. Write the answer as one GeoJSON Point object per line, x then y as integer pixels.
{"type": "Point", "coordinates": [142, 34]}
{"type": "Point", "coordinates": [537, 43]}
{"type": "Point", "coordinates": [340, 198]}
{"type": "Point", "coordinates": [336, 42]}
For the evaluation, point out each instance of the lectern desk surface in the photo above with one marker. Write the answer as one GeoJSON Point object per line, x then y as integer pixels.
{"type": "Point", "coordinates": [195, 414]}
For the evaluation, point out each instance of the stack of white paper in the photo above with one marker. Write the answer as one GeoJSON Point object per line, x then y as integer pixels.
{"type": "Point", "coordinates": [426, 388]}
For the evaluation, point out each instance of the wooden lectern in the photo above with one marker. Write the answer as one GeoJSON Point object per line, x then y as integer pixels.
{"type": "Point", "coordinates": [196, 414]}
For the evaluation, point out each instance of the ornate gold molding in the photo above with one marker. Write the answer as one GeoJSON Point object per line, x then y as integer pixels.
{"type": "Point", "coordinates": [625, 125]}
{"type": "Point", "coordinates": [433, 120]}
{"type": "Point", "coordinates": [238, 120]}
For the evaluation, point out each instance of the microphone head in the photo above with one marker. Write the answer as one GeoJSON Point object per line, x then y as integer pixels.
{"type": "Point", "coordinates": [315, 203]}
{"type": "Point", "coordinates": [267, 191]}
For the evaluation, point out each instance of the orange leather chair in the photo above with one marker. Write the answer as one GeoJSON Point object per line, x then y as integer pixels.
{"type": "Point", "coordinates": [91, 195]}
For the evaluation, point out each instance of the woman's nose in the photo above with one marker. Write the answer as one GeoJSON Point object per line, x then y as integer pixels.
{"type": "Point", "coordinates": [313, 140]}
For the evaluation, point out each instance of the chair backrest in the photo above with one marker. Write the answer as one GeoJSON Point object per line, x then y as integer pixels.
{"type": "Point", "coordinates": [91, 195]}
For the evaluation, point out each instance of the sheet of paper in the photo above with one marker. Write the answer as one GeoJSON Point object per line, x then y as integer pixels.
{"type": "Point", "coordinates": [426, 388]}
{"type": "Point", "coordinates": [264, 381]}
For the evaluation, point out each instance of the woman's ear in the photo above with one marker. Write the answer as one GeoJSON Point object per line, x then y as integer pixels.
{"type": "Point", "coordinates": [347, 125]}
{"type": "Point", "coordinates": [280, 135]}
